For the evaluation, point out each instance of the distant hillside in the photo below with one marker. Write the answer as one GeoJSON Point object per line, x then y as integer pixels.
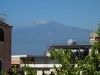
{"type": "Point", "coordinates": [35, 39]}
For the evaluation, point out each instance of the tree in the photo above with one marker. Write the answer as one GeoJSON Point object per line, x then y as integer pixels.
{"type": "Point", "coordinates": [19, 71]}
{"type": "Point", "coordinates": [29, 70]}
{"type": "Point", "coordinates": [88, 66]}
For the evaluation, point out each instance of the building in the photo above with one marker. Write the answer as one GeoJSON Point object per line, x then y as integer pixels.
{"type": "Point", "coordinates": [42, 64]}
{"type": "Point", "coordinates": [30, 59]}
{"type": "Point", "coordinates": [94, 37]}
{"type": "Point", "coordinates": [79, 51]}
{"type": "Point", "coordinates": [5, 46]}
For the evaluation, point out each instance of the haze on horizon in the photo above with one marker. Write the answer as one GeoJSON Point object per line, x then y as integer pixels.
{"type": "Point", "coordinates": [75, 13]}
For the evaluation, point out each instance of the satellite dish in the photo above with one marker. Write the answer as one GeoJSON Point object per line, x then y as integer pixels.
{"type": "Point", "coordinates": [71, 42]}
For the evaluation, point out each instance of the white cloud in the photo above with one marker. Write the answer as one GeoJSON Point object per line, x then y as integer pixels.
{"type": "Point", "coordinates": [37, 22]}
{"type": "Point", "coordinates": [40, 22]}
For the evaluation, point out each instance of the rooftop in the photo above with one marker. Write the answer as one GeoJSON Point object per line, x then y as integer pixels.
{"type": "Point", "coordinates": [70, 46]}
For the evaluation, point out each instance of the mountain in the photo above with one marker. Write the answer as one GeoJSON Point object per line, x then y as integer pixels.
{"type": "Point", "coordinates": [36, 38]}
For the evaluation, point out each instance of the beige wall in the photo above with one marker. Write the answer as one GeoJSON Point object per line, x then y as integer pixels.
{"type": "Point", "coordinates": [93, 35]}
{"type": "Point", "coordinates": [15, 60]}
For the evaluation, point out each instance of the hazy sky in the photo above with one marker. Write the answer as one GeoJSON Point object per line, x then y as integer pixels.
{"type": "Point", "coordinates": [76, 13]}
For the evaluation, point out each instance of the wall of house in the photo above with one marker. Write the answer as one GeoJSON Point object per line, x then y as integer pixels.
{"type": "Point", "coordinates": [15, 60]}
{"type": "Point", "coordinates": [5, 48]}
{"type": "Point", "coordinates": [93, 36]}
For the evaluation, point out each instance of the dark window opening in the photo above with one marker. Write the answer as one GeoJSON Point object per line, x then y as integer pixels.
{"type": "Point", "coordinates": [1, 34]}
{"type": "Point", "coordinates": [79, 53]}
{"type": "Point", "coordinates": [0, 65]}
{"type": "Point", "coordinates": [97, 38]}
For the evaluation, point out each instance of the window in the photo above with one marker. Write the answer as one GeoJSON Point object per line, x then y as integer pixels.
{"type": "Point", "coordinates": [1, 34]}
{"type": "Point", "coordinates": [0, 65]}
{"type": "Point", "coordinates": [97, 38]}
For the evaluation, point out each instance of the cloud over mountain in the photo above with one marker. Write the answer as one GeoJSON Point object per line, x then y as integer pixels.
{"type": "Point", "coordinates": [40, 22]}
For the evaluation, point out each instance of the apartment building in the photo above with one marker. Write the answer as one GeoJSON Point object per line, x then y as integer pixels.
{"type": "Point", "coordinates": [42, 64]}
{"type": "Point", "coordinates": [79, 51]}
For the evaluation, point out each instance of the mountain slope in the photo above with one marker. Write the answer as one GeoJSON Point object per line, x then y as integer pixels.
{"type": "Point", "coordinates": [36, 39]}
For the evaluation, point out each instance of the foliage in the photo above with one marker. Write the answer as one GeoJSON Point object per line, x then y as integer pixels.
{"type": "Point", "coordinates": [27, 60]}
{"type": "Point", "coordinates": [98, 31]}
{"type": "Point", "coordinates": [2, 73]}
{"type": "Point", "coordinates": [17, 71]}
{"type": "Point", "coordinates": [14, 70]}
{"type": "Point", "coordinates": [29, 70]}
{"type": "Point", "coordinates": [73, 66]}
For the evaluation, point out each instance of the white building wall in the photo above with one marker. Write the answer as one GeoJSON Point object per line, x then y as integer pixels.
{"type": "Point", "coordinates": [39, 72]}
